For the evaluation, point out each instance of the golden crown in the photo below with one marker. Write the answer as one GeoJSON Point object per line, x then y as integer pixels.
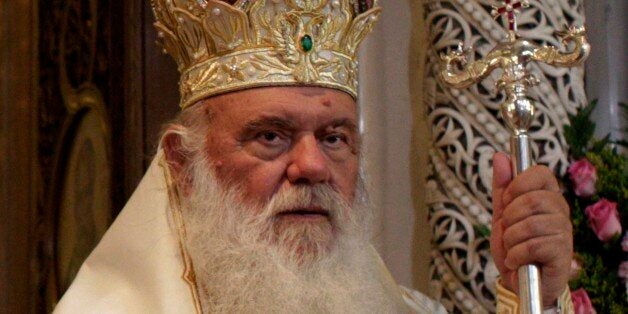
{"type": "Point", "coordinates": [221, 47]}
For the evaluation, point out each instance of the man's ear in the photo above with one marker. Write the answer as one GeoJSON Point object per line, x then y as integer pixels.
{"type": "Point", "coordinates": [175, 157]}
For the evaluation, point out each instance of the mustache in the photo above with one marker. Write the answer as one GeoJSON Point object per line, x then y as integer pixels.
{"type": "Point", "coordinates": [319, 198]}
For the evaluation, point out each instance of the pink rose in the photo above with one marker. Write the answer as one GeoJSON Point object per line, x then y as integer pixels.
{"type": "Point", "coordinates": [583, 175]}
{"type": "Point", "coordinates": [623, 270]}
{"type": "Point", "coordinates": [604, 219]}
{"type": "Point", "coordinates": [581, 302]}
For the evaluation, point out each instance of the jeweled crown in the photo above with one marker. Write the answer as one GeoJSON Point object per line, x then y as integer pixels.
{"type": "Point", "coordinates": [221, 47]}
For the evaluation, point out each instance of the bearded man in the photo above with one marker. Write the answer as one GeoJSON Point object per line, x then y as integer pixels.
{"type": "Point", "coordinates": [255, 202]}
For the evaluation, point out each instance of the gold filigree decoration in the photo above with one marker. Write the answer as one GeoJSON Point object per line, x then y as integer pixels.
{"type": "Point", "coordinates": [221, 47]}
{"type": "Point", "coordinates": [512, 57]}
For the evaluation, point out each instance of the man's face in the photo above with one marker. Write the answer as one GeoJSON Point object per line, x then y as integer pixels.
{"type": "Point", "coordinates": [274, 186]}
{"type": "Point", "coordinates": [264, 140]}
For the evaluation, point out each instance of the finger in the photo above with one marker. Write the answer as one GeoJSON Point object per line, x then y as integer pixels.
{"type": "Point", "coordinates": [497, 247]}
{"type": "Point", "coordinates": [509, 281]}
{"type": "Point", "coordinates": [514, 279]}
{"type": "Point", "coordinates": [533, 179]}
{"type": "Point", "coordinates": [534, 203]}
{"type": "Point", "coordinates": [502, 175]}
{"type": "Point", "coordinates": [540, 250]}
{"type": "Point", "coordinates": [534, 227]}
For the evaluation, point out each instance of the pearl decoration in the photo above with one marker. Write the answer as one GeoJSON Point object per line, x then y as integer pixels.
{"type": "Point", "coordinates": [463, 100]}
{"type": "Point", "coordinates": [251, 71]}
{"type": "Point", "coordinates": [342, 76]}
{"type": "Point", "coordinates": [467, 304]}
{"type": "Point", "coordinates": [466, 201]}
{"type": "Point", "coordinates": [485, 219]}
{"type": "Point", "coordinates": [501, 137]}
{"type": "Point", "coordinates": [459, 295]}
{"type": "Point", "coordinates": [496, 34]}
{"type": "Point", "coordinates": [474, 209]}
{"type": "Point", "coordinates": [472, 108]}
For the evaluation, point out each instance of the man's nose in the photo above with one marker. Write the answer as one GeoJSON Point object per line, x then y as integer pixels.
{"type": "Point", "coordinates": [308, 164]}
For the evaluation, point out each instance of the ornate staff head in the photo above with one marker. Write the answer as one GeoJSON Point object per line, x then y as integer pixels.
{"type": "Point", "coordinates": [512, 57]}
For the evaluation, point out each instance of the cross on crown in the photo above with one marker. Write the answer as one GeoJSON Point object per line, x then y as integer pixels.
{"type": "Point", "coordinates": [510, 8]}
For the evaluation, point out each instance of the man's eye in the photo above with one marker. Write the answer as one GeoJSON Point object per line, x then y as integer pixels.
{"type": "Point", "coordinates": [335, 140]}
{"type": "Point", "coordinates": [269, 137]}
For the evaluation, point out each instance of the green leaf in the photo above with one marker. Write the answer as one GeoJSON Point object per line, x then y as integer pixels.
{"type": "Point", "coordinates": [611, 168]}
{"type": "Point", "coordinates": [599, 145]}
{"type": "Point", "coordinates": [580, 130]}
{"type": "Point", "coordinates": [623, 143]}
{"type": "Point", "coordinates": [482, 231]}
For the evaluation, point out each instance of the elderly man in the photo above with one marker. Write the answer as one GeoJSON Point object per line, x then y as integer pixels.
{"type": "Point", "coordinates": [255, 202]}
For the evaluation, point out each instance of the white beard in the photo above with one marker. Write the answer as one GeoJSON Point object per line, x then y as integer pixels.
{"type": "Point", "coordinates": [247, 260]}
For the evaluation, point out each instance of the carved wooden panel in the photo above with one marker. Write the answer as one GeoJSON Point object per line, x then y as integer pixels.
{"type": "Point", "coordinates": [74, 143]}
{"type": "Point", "coordinates": [77, 89]}
{"type": "Point", "coordinates": [18, 169]}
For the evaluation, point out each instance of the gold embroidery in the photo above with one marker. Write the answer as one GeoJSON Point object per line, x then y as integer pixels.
{"type": "Point", "coordinates": [188, 275]}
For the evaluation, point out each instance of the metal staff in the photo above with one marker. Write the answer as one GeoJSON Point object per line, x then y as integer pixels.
{"type": "Point", "coordinates": [513, 56]}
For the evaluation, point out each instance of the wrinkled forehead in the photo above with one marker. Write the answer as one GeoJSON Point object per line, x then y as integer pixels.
{"type": "Point", "coordinates": [278, 93]}
{"type": "Point", "coordinates": [291, 101]}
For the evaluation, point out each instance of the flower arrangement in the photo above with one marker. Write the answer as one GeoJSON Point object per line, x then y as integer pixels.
{"type": "Point", "coordinates": [596, 186]}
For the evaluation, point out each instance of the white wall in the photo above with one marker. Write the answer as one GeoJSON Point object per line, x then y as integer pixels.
{"type": "Point", "coordinates": [395, 140]}
{"type": "Point", "coordinates": [607, 69]}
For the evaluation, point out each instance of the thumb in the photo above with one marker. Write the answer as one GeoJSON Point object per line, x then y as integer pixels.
{"type": "Point", "coordinates": [502, 175]}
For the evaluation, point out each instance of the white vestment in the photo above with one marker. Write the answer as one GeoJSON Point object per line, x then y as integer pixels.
{"type": "Point", "coordinates": [138, 265]}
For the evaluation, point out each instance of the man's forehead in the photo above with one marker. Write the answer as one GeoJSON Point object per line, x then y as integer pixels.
{"type": "Point", "coordinates": [293, 107]}
{"type": "Point", "coordinates": [295, 99]}
{"type": "Point", "coordinates": [277, 91]}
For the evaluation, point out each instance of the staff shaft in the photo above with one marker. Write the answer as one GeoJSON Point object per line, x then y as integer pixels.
{"type": "Point", "coordinates": [529, 275]}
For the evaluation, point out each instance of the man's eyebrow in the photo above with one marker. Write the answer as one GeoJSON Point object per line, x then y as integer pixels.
{"type": "Point", "coordinates": [265, 122]}
{"type": "Point", "coordinates": [344, 122]}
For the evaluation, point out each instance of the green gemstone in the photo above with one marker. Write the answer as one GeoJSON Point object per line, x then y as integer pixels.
{"type": "Point", "coordinates": [307, 43]}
